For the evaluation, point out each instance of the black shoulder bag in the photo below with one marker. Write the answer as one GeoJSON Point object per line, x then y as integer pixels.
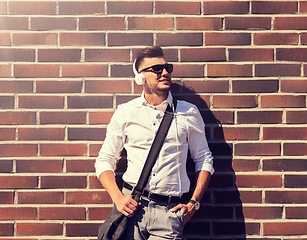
{"type": "Point", "coordinates": [114, 226]}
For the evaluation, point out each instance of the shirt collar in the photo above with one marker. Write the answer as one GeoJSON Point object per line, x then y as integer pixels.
{"type": "Point", "coordinates": [163, 105]}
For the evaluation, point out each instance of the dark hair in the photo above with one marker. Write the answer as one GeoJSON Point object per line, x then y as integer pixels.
{"type": "Point", "coordinates": [149, 52]}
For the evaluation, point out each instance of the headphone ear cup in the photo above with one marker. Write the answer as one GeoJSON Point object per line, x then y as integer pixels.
{"type": "Point", "coordinates": [139, 79]}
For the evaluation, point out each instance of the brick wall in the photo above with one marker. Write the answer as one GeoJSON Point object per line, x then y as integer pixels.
{"type": "Point", "coordinates": [66, 65]}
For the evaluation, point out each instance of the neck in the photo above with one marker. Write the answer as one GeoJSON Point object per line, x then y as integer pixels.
{"type": "Point", "coordinates": [154, 99]}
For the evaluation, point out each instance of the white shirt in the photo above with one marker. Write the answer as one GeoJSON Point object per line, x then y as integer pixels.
{"type": "Point", "coordinates": [134, 126]}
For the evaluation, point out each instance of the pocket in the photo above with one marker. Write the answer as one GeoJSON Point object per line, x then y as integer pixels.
{"type": "Point", "coordinates": [180, 215]}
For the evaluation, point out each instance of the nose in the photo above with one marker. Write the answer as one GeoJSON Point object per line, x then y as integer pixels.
{"type": "Point", "coordinates": [164, 72]}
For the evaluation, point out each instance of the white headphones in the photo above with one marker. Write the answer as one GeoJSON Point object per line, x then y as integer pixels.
{"type": "Point", "coordinates": [139, 77]}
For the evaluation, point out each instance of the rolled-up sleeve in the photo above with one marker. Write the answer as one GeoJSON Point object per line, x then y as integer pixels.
{"type": "Point", "coordinates": [112, 146]}
{"type": "Point", "coordinates": [198, 144]}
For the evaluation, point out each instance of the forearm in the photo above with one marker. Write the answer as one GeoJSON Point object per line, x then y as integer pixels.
{"type": "Point", "coordinates": [201, 183]}
{"type": "Point", "coordinates": [107, 179]}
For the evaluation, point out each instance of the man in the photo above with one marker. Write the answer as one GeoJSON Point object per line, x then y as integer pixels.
{"type": "Point", "coordinates": [163, 213]}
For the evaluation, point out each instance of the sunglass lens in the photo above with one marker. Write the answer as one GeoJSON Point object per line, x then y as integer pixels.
{"type": "Point", "coordinates": [169, 68]}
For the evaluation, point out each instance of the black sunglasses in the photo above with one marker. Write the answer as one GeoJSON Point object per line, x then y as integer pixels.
{"type": "Point", "coordinates": [158, 69]}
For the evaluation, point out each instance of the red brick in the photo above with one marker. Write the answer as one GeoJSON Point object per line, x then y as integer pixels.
{"type": "Point", "coordinates": [63, 149]}
{"type": "Point", "coordinates": [84, 70]}
{"type": "Point", "coordinates": [242, 165]}
{"type": "Point", "coordinates": [58, 86]}
{"type": "Point", "coordinates": [255, 86]}
{"type": "Point", "coordinates": [284, 228]}
{"type": "Point", "coordinates": [275, 38]}
{"type": "Point", "coordinates": [6, 166]}
{"type": "Point", "coordinates": [119, 70]}
{"type": "Point", "coordinates": [82, 229]}
{"type": "Point", "coordinates": [292, 165]}
{"type": "Point", "coordinates": [276, 70]}
{"type": "Point", "coordinates": [303, 7]}
{"type": "Point", "coordinates": [256, 54]}
{"type": "Point", "coordinates": [40, 229]}
{"type": "Point", "coordinates": [34, 39]}
{"type": "Point", "coordinates": [79, 102]}
{"type": "Point", "coordinates": [102, 23]}
{"type": "Point", "coordinates": [5, 38]}
{"type": "Point", "coordinates": [242, 23]}
{"type": "Point", "coordinates": [305, 69]}
{"type": "Point", "coordinates": [6, 102]}
{"type": "Point", "coordinates": [86, 134]}
{"type": "Point", "coordinates": [94, 149]}
{"type": "Point", "coordinates": [257, 149]}
{"type": "Point", "coordinates": [228, 39]}
{"type": "Point", "coordinates": [295, 181]}
{"type": "Point", "coordinates": [133, 7]}
{"type": "Point", "coordinates": [295, 149]}
{"type": "Point", "coordinates": [32, 7]}
{"type": "Point", "coordinates": [203, 54]}
{"type": "Point", "coordinates": [94, 183]}
{"type": "Point", "coordinates": [262, 212]}
{"type": "Point", "coordinates": [198, 23]}
{"type": "Point", "coordinates": [20, 213]}
{"type": "Point", "coordinates": [59, 55]}
{"type": "Point", "coordinates": [107, 55]}
{"type": "Point", "coordinates": [7, 229]}
{"type": "Point", "coordinates": [209, 86]}
{"type": "Point", "coordinates": [35, 197]}
{"type": "Point", "coordinates": [291, 197]}
{"type": "Point", "coordinates": [6, 198]}
{"type": "Point", "coordinates": [284, 133]}
{"type": "Point", "coordinates": [150, 23]}
{"type": "Point", "coordinates": [41, 134]}
{"type": "Point", "coordinates": [98, 213]}
{"type": "Point", "coordinates": [83, 7]}
{"type": "Point", "coordinates": [188, 70]}
{"type": "Point", "coordinates": [62, 213]}
{"type": "Point", "coordinates": [234, 101]}
{"type": "Point", "coordinates": [291, 54]}
{"type": "Point", "coordinates": [88, 197]}
{"type": "Point", "coordinates": [179, 39]}
{"type": "Point", "coordinates": [262, 181]}
{"type": "Point", "coordinates": [39, 166]}
{"type": "Point", "coordinates": [41, 102]}
{"type": "Point", "coordinates": [101, 86]}
{"type": "Point", "coordinates": [18, 150]}
{"type": "Point", "coordinates": [236, 133]}
{"type": "Point", "coordinates": [227, 7]}
{"type": "Point", "coordinates": [269, 7]}
{"type": "Point", "coordinates": [62, 117]}
{"type": "Point", "coordinates": [3, 8]}
{"type": "Point", "coordinates": [36, 70]}
{"type": "Point", "coordinates": [17, 118]}
{"type": "Point", "coordinates": [100, 117]}
{"type": "Point", "coordinates": [20, 182]}
{"type": "Point", "coordinates": [16, 86]}
{"type": "Point", "coordinates": [296, 212]}
{"type": "Point", "coordinates": [229, 70]}
{"type": "Point", "coordinates": [14, 23]}
{"type": "Point", "coordinates": [177, 7]}
{"type": "Point", "coordinates": [17, 55]}
{"type": "Point", "coordinates": [290, 23]}
{"type": "Point", "coordinates": [282, 101]}
{"type": "Point", "coordinates": [296, 117]}
{"type": "Point", "coordinates": [52, 23]}
{"type": "Point", "coordinates": [128, 39]}
{"type": "Point", "coordinates": [294, 86]}
{"type": "Point", "coordinates": [303, 37]}
{"type": "Point", "coordinates": [5, 70]}
{"type": "Point", "coordinates": [82, 39]}
{"type": "Point", "coordinates": [80, 166]}
{"type": "Point", "coordinates": [52, 182]}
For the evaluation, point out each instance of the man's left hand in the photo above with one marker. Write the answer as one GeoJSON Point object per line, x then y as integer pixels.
{"type": "Point", "coordinates": [187, 209]}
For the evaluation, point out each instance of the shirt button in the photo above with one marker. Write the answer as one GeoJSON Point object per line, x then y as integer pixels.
{"type": "Point", "coordinates": [154, 124]}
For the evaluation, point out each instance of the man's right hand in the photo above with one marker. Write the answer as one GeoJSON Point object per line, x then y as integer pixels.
{"type": "Point", "coordinates": [126, 205]}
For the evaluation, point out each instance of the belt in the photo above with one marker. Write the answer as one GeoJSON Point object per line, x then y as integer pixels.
{"type": "Point", "coordinates": [160, 198]}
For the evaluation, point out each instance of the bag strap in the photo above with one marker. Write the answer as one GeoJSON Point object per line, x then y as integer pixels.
{"type": "Point", "coordinates": [154, 150]}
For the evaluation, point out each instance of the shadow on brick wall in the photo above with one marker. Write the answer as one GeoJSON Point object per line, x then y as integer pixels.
{"type": "Point", "coordinates": [220, 215]}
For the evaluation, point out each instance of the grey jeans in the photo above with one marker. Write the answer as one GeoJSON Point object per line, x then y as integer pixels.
{"type": "Point", "coordinates": [154, 221]}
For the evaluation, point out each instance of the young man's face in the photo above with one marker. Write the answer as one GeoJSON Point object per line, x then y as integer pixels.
{"type": "Point", "coordinates": [160, 82]}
